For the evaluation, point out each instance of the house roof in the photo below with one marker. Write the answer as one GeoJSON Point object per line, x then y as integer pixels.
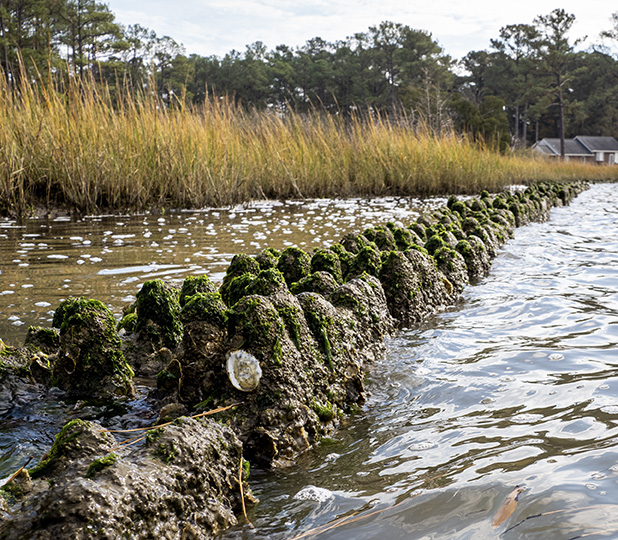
{"type": "Point", "coordinates": [599, 144]}
{"type": "Point", "coordinates": [572, 147]}
{"type": "Point", "coordinates": [544, 149]}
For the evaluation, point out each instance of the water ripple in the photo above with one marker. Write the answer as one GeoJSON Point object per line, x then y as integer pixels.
{"type": "Point", "coordinates": [518, 386]}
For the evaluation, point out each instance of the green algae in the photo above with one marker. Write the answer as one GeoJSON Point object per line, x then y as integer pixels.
{"type": "Point", "coordinates": [325, 412]}
{"type": "Point", "coordinates": [419, 230]}
{"type": "Point", "coordinates": [170, 378]}
{"type": "Point", "coordinates": [435, 243]}
{"type": "Point", "coordinates": [91, 350]}
{"type": "Point", "coordinates": [241, 264]}
{"type": "Point", "coordinates": [236, 288]}
{"type": "Point", "coordinates": [465, 249]}
{"type": "Point", "coordinates": [128, 322]}
{"type": "Point", "coordinates": [368, 259]}
{"type": "Point", "coordinates": [43, 339]}
{"type": "Point", "coordinates": [166, 452]}
{"type": "Point", "coordinates": [257, 322]}
{"type": "Point", "coordinates": [265, 283]}
{"type": "Point", "coordinates": [326, 260]}
{"type": "Point", "coordinates": [158, 313]}
{"type": "Point", "coordinates": [68, 434]}
{"type": "Point", "coordinates": [100, 464]}
{"type": "Point", "coordinates": [404, 238]}
{"type": "Point", "coordinates": [320, 325]}
{"type": "Point", "coordinates": [294, 264]}
{"type": "Point", "coordinates": [290, 315]}
{"type": "Point", "coordinates": [345, 257]}
{"type": "Point", "coordinates": [193, 285]}
{"type": "Point", "coordinates": [353, 243]}
{"type": "Point", "coordinates": [319, 282]}
{"type": "Point", "coordinates": [384, 238]}
{"type": "Point", "coordinates": [267, 258]}
{"type": "Point", "coordinates": [206, 307]}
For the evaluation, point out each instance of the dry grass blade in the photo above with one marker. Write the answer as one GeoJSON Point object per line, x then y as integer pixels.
{"type": "Point", "coordinates": [507, 508]}
{"type": "Point", "coordinates": [79, 147]}
{"type": "Point", "coordinates": [16, 473]}
{"type": "Point", "coordinates": [242, 494]}
{"type": "Point", "coordinates": [124, 444]}
{"type": "Point", "coordinates": [207, 413]}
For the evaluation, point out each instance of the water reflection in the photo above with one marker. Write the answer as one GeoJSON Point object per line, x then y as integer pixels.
{"type": "Point", "coordinates": [517, 386]}
{"type": "Point", "coordinates": [110, 257]}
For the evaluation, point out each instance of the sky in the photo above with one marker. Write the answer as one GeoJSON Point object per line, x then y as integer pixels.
{"type": "Point", "coordinates": [215, 27]}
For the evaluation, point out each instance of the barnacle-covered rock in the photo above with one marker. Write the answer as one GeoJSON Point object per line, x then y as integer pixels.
{"type": "Point", "coordinates": [294, 264]}
{"type": "Point", "coordinates": [158, 314]}
{"type": "Point", "coordinates": [90, 363]}
{"type": "Point", "coordinates": [181, 484]}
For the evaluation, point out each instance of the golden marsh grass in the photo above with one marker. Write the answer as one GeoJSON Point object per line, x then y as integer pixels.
{"type": "Point", "coordinates": [82, 150]}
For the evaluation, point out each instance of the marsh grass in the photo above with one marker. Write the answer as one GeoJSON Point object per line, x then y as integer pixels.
{"type": "Point", "coordinates": [81, 149]}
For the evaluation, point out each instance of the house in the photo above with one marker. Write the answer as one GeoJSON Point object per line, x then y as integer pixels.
{"type": "Point", "coordinates": [601, 150]}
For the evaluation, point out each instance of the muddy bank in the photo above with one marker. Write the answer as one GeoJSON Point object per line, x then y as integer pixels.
{"type": "Point", "coordinates": [288, 335]}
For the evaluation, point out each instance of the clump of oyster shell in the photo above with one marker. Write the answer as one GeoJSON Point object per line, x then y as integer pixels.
{"type": "Point", "coordinates": [244, 370]}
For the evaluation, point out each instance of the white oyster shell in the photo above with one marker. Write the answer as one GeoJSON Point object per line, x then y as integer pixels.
{"type": "Point", "coordinates": [244, 370]}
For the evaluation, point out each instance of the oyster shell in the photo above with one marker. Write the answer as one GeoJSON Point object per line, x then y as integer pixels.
{"type": "Point", "coordinates": [244, 370]}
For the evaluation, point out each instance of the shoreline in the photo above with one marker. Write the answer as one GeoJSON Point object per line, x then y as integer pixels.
{"type": "Point", "coordinates": [314, 322]}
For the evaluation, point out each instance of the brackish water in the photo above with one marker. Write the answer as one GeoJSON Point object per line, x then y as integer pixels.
{"type": "Point", "coordinates": [44, 261]}
{"type": "Point", "coordinates": [515, 386]}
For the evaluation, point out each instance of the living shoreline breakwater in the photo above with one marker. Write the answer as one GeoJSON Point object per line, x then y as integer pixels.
{"type": "Point", "coordinates": [280, 349]}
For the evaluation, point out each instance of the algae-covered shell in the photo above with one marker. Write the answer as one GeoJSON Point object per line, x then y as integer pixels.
{"type": "Point", "coordinates": [243, 370]}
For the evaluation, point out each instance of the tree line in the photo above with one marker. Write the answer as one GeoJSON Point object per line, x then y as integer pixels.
{"type": "Point", "coordinates": [530, 83]}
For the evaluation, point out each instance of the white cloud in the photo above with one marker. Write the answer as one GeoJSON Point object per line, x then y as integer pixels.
{"type": "Point", "coordinates": [217, 26]}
